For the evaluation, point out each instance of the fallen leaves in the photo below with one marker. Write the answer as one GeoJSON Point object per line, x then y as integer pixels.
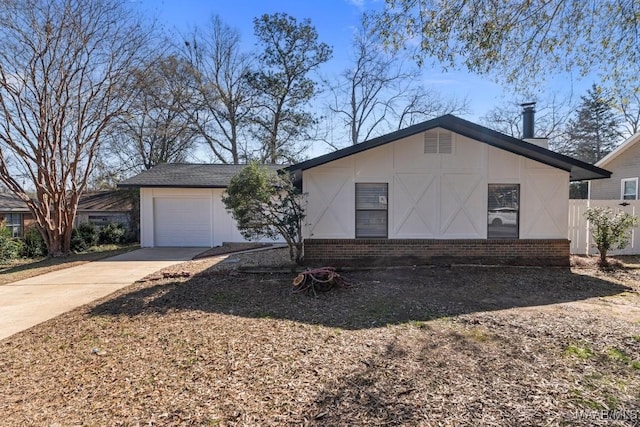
{"type": "Point", "coordinates": [460, 346]}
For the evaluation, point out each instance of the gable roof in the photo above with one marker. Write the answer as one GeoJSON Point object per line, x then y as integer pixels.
{"type": "Point", "coordinates": [11, 203]}
{"type": "Point", "coordinates": [187, 175]}
{"type": "Point", "coordinates": [104, 201]}
{"type": "Point", "coordinates": [628, 143]}
{"type": "Point", "coordinates": [577, 169]}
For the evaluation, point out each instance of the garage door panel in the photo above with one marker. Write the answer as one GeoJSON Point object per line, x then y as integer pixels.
{"type": "Point", "coordinates": [182, 221]}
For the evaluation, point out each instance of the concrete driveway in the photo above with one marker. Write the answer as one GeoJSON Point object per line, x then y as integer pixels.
{"type": "Point", "coordinates": [28, 302]}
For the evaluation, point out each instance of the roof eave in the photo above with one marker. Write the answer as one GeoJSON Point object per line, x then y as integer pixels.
{"type": "Point", "coordinates": [618, 150]}
{"type": "Point", "coordinates": [125, 185]}
{"type": "Point", "coordinates": [578, 171]}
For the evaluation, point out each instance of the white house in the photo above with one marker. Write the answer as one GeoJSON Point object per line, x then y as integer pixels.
{"type": "Point", "coordinates": [181, 205]}
{"type": "Point", "coordinates": [440, 191]}
{"type": "Point", "coordinates": [445, 190]}
{"type": "Point", "coordinates": [624, 163]}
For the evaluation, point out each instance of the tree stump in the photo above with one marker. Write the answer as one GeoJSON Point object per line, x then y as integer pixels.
{"type": "Point", "coordinates": [317, 280]}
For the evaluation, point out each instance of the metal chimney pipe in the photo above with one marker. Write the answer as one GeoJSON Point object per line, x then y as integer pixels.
{"type": "Point", "coordinates": [528, 119]}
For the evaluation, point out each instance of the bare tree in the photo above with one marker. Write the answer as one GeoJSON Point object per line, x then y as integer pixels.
{"type": "Point", "coordinates": [223, 97]}
{"type": "Point", "coordinates": [628, 105]}
{"type": "Point", "coordinates": [156, 127]}
{"type": "Point", "coordinates": [361, 96]}
{"type": "Point", "coordinates": [379, 92]}
{"type": "Point", "coordinates": [552, 114]}
{"type": "Point", "coordinates": [63, 67]}
{"type": "Point", "coordinates": [419, 104]}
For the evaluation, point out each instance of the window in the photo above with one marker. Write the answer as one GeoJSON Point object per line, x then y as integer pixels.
{"type": "Point", "coordinates": [13, 222]}
{"type": "Point", "coordinates": [503, 211]}
{"type": "Point", "coordinates": [438, 142]}
{"type": "Point", "coordinates": [371, 210]}
{"type": "Point", "coordinates": [629, 189]}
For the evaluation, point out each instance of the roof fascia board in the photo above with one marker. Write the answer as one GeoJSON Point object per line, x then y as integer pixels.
{"type": "Point", "coordinates": [169, 186]}
{"type": "Point", "coordinates": [508, 143]}
{"type": "Point", "coordinates": [469, 130]}
{"type": "Point", "coordinates": [618, 150]}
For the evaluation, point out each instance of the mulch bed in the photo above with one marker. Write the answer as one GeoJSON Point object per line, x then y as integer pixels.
{"type": "Point", "coordinates": [405, 346]}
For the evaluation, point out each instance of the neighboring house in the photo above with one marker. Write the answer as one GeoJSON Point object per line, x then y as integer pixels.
{"type": "Point", "coordinates": [96, 207]}
{"type": "Point", "coordinates": [181, 205]}
{"type": "Point", "coordinates": [446, 190]}
{"type": "Point", "coordinates": [15, 214]}
{"type": "Point", "coordinates": [624, 163]}
{"type": "Point", "coordinates": [103, 207]}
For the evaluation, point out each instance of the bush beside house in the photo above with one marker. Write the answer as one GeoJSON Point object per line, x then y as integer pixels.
{"type": "Point", "coordinates": [10, 248]}
{"type": "Point", "coordinates": [86, 235]}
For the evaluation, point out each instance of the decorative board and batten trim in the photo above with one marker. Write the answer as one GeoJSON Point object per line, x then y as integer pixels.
{"type": "Point", "coordinates": [438, 141]}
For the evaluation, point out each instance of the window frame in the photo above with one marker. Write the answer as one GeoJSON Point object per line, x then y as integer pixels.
{"type": "Point", "coordinates": [16, 223]}
{"type": "Point", "coordinates": [623, 181]}
{"type": "Point", "coordinates": [386, 210]}
{"type": "Point", "coordinates": [518, 187]}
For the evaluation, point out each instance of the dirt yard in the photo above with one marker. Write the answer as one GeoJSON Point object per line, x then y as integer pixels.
{"type": "Point", "coordinates": [211, 344]}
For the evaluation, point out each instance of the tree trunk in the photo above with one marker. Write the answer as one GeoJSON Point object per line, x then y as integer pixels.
{"type": "Point", "coordinates": [299, 253]}
{"type": "Point", "coordinates": [603, 258]}
{"type": "Point", "coordinates": [56, 247]}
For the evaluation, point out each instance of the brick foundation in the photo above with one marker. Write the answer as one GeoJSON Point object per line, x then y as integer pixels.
{"type": "Point", "coordinates": [368, 252]}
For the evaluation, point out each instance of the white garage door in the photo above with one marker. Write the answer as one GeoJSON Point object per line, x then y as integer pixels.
{"type": "Point", "coordinates": [182, 222]}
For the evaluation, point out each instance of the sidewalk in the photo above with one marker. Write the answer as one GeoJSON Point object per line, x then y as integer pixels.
{"type": "Point", "coordinates": [26, 303]}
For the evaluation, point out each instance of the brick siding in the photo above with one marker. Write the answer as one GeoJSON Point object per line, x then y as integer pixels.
{"type": "Point", "coordinates": [367, 252]}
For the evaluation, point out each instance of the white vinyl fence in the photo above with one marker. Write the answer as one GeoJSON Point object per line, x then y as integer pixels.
{"type": "Point", "coordinates": [579, 235]}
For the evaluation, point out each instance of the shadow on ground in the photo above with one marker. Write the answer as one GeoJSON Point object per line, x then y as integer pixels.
{"type": "Point", "coordinates": [376, 298]}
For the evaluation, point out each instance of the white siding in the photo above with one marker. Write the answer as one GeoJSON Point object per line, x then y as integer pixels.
{"type": "Point", "coordinates": [625, 165]}
{"type": "Point", "coordinates": [580, 235]}
{"type": "Point", "coordinates": [188, 206]}
{"type": "Point", "coordinates": [436, 195]}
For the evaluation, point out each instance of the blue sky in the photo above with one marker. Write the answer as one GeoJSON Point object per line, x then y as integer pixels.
{"type": "Point", "coordinates": [335, 21]}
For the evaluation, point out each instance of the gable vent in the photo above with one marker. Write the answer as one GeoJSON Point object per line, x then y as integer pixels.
{"type": "Point", "coordinates": [431, 142]}
{"type": "Point", "coordinates": [438, 142]}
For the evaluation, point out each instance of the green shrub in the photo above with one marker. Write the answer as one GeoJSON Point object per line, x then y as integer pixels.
{"type": "Point", "coordinates": [112, 233]}
{"type": "Point", "coordinates": [9, 247]}
{"type": "Point", "coordinates": [32, 244]}
{"type": "Point", "coordinates": [83, 237]}
{"type": "Point", "coordinates": [610, 230]}
{"type": "Point", "coordinates": [4, 231]}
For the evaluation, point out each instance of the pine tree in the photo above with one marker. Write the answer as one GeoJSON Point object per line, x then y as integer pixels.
{"type": "Point", "coordinates": [594, 132]}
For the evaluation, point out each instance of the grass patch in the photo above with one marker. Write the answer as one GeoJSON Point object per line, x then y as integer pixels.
{"type": "Point", "coordinates": [418, 324]}
{"type": "Point", "coordinates": [24, 269]}
{"type": "Point", "coordinates": [479, 335]}
{"type": "Point", "coordinates": [619, 355]}
{"type": "Point", "coordinates": [580, 351]}
{"type": "Point", "coordinates": [585, 401]}
{"type": "Point", "coordinates": [379, 309]}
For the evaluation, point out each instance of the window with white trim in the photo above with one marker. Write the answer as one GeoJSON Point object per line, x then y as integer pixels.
{"type": "Point", "coordinates": [503, 217]}
{"type": "Point", "coordinates": [371, 210]}
{"type": "Point", "coordinates": [13, 222]}
{"type": "Point", "coordinates": [629, 189]}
